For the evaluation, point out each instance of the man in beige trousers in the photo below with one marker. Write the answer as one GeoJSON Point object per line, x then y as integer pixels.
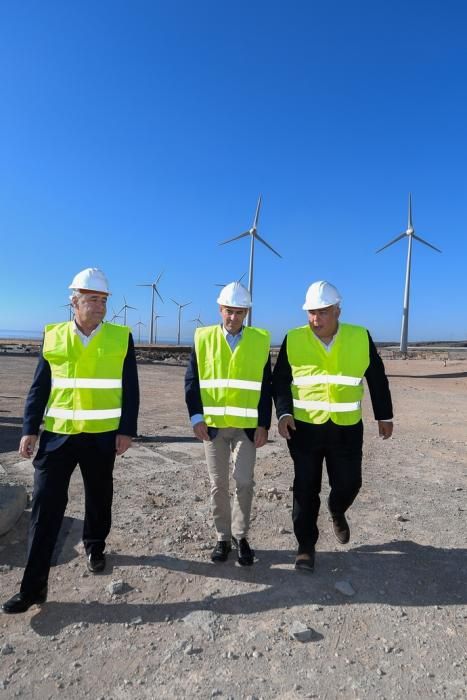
{"type": "Point", "coordinates": [228, 395]}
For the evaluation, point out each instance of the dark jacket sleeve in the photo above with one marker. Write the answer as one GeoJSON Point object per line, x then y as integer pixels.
{"type": "Point", "coordinates": [282, 382]}
{"type": "Point", "coordinates": [192, 389]}
{"type": "Point", "coordinates": [36, 400]}
{"type": "Point", "coordinates": [378, 385]}
{"type": "Point", "coordinates": [265, 399]}
{"type": "Point", "coordinates": [130, 393]}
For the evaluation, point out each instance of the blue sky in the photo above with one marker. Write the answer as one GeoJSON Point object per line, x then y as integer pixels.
{"type": "Point", "coordinates": [135, 136]}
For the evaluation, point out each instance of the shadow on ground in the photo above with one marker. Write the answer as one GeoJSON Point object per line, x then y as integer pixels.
{"type": "Point", "coordinates": [397, 573]}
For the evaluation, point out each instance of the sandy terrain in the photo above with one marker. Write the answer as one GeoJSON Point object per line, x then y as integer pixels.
{"type": "Point", "coordinates": [179, 626]}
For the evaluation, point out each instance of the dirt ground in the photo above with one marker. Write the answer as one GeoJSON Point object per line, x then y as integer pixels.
{"type": "Point", "coordinates": [384, 617]}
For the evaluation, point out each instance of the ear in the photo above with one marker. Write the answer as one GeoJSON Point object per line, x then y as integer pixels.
{"type": "Point", "coordinates": [338, 312]}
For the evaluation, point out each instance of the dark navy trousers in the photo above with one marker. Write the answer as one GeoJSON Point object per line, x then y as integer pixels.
{"type": "Point", "coordinates": [340, 447]}
{"type": "Point", "coordinates": [52, 473]}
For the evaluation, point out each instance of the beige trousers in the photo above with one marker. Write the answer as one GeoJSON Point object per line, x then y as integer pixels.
{"type": "Point", "coordinates": [231, 442]}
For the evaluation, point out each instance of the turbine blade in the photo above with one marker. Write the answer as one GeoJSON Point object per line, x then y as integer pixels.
{"type": "Point", "coordinates": [398, 238]}
{"type": "Point", "coordinates": [235, 238]}
{"type": "Point", "coordinates": [258, 207]}
{"type": "Point", "coordinates": [175, 302]}
{"type": "Point", "coordinates": [157, 280]}
{"type": "Point", "coordinates": [145, 285]}
{"type": "Point", "coordinates": [157, 292]}
{"type": "Point", "coordinates": [409, 225]}
{"type": "Point", "coordinates": [426, 243]}
{"type": "Point", "coordinates": [267, 245]}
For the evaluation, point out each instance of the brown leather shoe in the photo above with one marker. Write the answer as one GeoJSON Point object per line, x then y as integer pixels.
{"type": "Point", "coordinates": [305, 561]}
{"type": "Point", "coordinates": [341, 528]}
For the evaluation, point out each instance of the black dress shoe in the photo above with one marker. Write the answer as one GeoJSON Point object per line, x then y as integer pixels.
{"type": "Point", "coordinates": [305, 561]}
{"type": "Point", "coordinates": [221, 551]}
{"type": "Point", "coordinates": [96, 563]}
{"type": "Point", "coordinates": [21, 602]}
{"type": "Point", "coordinates": [246, 555]}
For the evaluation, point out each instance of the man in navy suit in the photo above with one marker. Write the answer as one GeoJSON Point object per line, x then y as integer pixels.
{"type": "Point", "coordinates": [85, 388]}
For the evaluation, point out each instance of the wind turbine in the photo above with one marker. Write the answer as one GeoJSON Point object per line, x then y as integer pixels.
{"type": "Point", "coordinates": [153, 285]}
{"type": "Point", "coordinates": [410, 233]}
{"type": "Point", "coordinates": [198, 320]}
{"type": "Point", "coordinates": [115, 315]}
{"type": "Point", "coordinates": [70, 309]}
{"type": "Point", "coordinates": [253, 233]}
{"type": "Point", "coordinates": [124, 308]}
{"type": "Point", "coordinates": [180, 307]}
{"type": "Point", "coordinates": [156, 316]}
{"type": "Point", "coordinates": [139, 324]}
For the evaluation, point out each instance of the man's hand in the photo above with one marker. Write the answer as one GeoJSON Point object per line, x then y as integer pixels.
{"type": "Point", "coordinates": [122, 443]}
{"type": "Point", "coordinates": [201, 431]}
{"type": "Point", "coordinates": [286, 424]}
{"type": "Point", "coordinates": [261, 437]}
{"type": "Point", "coordinates": [385, 428]}
{"type": "Point", "coordinates": [26, 446]}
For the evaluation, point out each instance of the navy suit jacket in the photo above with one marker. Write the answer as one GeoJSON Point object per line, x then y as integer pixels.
{"type": "Point", "coordinates": [36, 403]}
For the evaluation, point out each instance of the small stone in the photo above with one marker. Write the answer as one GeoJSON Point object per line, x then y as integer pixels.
{"type": "Point", "coordinates": [136, 621]}
{"type": "Point", "coordinates": [216, 692]}
{"type": "Point", "coordinates": [301, 632]}
{"type": "Point", "coordinates": [115, 587]}
{"type": "Point", "coordinates": [458, 488]}
{"type": "Point", "coordinates": [7, 649]}
{"type": "Point", "coordinates": [401, 519]}
{"type": "Point", "coordinates": [344, 587]}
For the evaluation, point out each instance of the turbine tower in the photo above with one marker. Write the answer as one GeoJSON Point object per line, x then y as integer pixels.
{"type": "Point", "coordinates": [70, 309]}
{"type": "Point", "coordinates": [253, 233]}
{"type": "Point", "coordinates": [180, 307]}
{"type": "Point", "coordinates": [156, 316]}
{"type": "Point", "coordinates": [155, 291]}
{"type": "Point", "coordinates": [410, 233]}
{"type": "Point", "coordinates": [124, 308]}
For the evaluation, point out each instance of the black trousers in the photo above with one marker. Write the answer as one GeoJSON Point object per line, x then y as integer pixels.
{"type": "Point", "coordinates": [52, 473]}
{"type": "Point", "coordinates": [341, 448]}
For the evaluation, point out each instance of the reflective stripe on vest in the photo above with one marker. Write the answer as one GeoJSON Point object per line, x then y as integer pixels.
{"type": "Point", "coordinates": [83, 415]}
{"type": "Point", "coordinates": [230, 381]}
{"type": "Point", "coordinates": [86, 382]}
{"type": "Point", "coordinates": [80, 383]}
{"type": "Point", "coordinates": [328, 384]}
{"type": "Point", "coordinates": [327, 379]}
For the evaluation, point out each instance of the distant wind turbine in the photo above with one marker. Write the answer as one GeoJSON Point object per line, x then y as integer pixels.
{"type": "Point", "coordinates": [124, 308]}
{"type": "Point", "coordinates": [70, 309]}
{"type": "Point", "coordinates": [156, 316]}
{"type": "Point", "coordinates": [410, 233]}
{"type": "Point", "coordinates": [115, 315]}
{"type": "Point", "coordinates": [180, 307]}
{"type": "Point", "coordinates": [253, 233]}
{"type": "Point", "coordinates": [198, 320]}
{"type": "Point", "coordinates": [139, 324]}
{"type": "Point", "coordinates": [155, 291]}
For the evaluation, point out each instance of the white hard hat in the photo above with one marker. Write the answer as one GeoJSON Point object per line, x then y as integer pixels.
{"type": "Point", "coordinates": [321, 294]}
{"type": "Point", "coordinates": [235, 294]}
{"type": "Point", "coordinates": [91, 279]}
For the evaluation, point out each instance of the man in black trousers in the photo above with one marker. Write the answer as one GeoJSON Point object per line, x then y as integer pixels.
{"type": "Point", "coordinates": [85, 388]}
{"type": "Point", "coordinates": [318, 387]}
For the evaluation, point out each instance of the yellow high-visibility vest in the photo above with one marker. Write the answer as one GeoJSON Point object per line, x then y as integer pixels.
{"type": "Point", "coordinates": [328, 384]}
{"type": "Point", "coordinates": [230, 382]}
{"type": "Point", "coordinates": [86, 392]}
